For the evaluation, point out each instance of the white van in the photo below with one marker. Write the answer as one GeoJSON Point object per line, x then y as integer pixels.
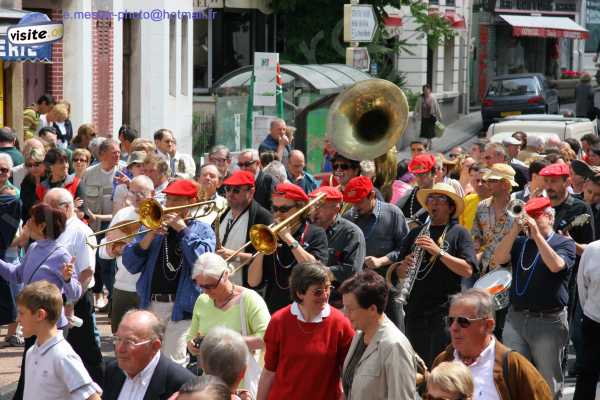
{"type": "Point", "coordinates": [542, 125]}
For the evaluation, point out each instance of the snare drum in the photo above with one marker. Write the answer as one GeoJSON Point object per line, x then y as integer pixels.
{"type": "Point", "coordinates": [497, 283]}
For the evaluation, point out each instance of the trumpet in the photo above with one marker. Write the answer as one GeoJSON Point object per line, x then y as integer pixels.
{"type": "Point", "coordinates": [516, 210]}
{"type": "Point", "coordinates": [151, 215]}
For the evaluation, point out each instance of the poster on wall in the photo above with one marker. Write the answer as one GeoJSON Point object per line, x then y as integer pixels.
{"type": "Point", "coordinates": [260, 127]}
{"type": "Point", "coordinates": [265, 79]}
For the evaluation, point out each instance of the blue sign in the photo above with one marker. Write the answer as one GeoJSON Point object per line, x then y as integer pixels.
{"type": "Point", "coordinates": [32, 26]}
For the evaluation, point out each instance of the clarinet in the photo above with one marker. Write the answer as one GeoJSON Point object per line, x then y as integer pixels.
{"type": "Point", "coordinates": [409, 281]}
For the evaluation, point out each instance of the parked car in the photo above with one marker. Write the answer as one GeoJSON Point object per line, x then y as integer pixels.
{"type": "Point", "coordinates": [542, 125]}
{"type": "Point", "coordinates": [518, 94]}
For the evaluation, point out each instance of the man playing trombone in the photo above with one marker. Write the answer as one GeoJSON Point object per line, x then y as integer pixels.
{"type": "Point", "coordinates": [165, 258]}
{"type": "Point", "coordinates": [300, 242]}
{"type": "Point", "coordinates": [235, 222]}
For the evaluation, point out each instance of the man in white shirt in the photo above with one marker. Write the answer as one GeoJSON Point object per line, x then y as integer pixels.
{"type": "Point", "coordinates": [471, 325]}
{"type": "Point", "coordinates": [140, 370]}
{"type": "Point", "coordinates": [75, 238]}
{"type": "Point", "coordinates": [157, 169]}
{"type": "Point", "coordinates": [163, 140]}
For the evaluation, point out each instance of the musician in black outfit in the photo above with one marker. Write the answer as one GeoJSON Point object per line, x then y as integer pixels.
{"type": "Point", "coordinates": [423, 167]}
{"type": "Point", "coordinates": [448, 256]}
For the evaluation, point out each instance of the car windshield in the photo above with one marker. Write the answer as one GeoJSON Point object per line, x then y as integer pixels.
{"type": "Point", "coordinates": [512, 87]}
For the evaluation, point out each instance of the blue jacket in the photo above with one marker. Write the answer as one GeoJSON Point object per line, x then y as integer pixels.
{"type": "Point", "coordinates": [196, 239]}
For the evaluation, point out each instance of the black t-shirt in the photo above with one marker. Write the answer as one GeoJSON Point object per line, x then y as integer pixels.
{"type": "Point", "coordinates": [566, 213]}
{"type": "Point", "coordinates": [165, 281]}
{"type": "Point", "coordinates": [435, 283]}
{"type": "Point", "coordinates": [410, 206]}
{"type": "Point", "coordinates": [534, 286]}
{"type": "Point", "coordinates": [277, 267]}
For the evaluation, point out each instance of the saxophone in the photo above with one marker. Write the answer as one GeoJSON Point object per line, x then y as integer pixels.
{"type": "Point", "coordinates": [418, 253]}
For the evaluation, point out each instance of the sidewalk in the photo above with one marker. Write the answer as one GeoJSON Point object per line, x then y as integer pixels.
{"type": "Point", "coordinates": [457, 133]}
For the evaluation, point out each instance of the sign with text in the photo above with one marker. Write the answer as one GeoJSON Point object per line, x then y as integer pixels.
{"type": "Point", "coordinates": [358, 57]}
{"type": "Point", "coordinates": [359, 23]}
{"type": "Point", "coordinates": [265, 79]}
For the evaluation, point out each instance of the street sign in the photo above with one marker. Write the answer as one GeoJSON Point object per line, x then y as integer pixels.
{"type": "Point", "coordinates": [358, 57]}
{"type": "Point", "coordinates": [359, 23]}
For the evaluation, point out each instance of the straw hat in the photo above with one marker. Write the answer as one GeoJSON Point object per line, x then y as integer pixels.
{"type": "Point", "coordinates": [443, 189]}
{"type": "Point", "coordinates": [500, 171]}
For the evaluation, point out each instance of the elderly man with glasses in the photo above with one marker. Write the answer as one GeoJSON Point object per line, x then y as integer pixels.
{"type": "Point", "coordinates": [498, 372]}
{"type": "Point", "coordinates": [249, 160]}
{"type": "Point", "coordinates": [234, 224]}
{"type": "Point", "coordinates": [141, 371]}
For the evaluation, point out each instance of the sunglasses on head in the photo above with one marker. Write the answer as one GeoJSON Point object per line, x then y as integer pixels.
{"type": "Point", "coordinates": [246, 164]}
{"type": "Point", "coordinates": [212, 286]}
{"type": "Point", "coordinates": [343, 167]}
{"type": "Point", "coordinates": [463, 322]}
{"type": "Point", "coordinates": [281, 209]}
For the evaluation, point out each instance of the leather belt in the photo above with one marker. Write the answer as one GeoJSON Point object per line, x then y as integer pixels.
{"type": "Point", "coordinates": [540, 313]}
{"type": "Point", "coordinates": [163, 298]}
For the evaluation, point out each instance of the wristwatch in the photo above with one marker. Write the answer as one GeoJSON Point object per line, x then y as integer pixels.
{"type": "Point", "coordinates": [293, 245]}
{"type": "Point", "coordinates": [442, 253]}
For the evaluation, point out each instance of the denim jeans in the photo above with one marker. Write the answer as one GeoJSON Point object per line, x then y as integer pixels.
{"type": "Point", "coordinates": [541, 339]}
{"type": "Point", "coordinates": [587, 379]}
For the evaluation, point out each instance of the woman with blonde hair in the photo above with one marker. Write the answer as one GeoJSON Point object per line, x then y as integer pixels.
{"type": "Point", "coordinates": [62, 124]}
{"type": "Point", "coordinates": [450, 381]}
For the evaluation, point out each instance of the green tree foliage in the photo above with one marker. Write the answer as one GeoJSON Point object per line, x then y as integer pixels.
{"type": "Point", "coordinates": [311, 32]}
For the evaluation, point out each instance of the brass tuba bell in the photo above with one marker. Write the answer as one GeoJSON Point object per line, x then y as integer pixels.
{"type": "Point", "coordinates": [367, 119]}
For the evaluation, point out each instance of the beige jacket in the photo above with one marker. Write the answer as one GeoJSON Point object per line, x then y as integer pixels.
{"type": "Point", "coordinates": [387, 368]}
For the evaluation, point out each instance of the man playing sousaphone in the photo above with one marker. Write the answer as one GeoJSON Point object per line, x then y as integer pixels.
{"type": "Point", "coordinates": [448, 256]}
{"type": "Point", "coordinates": [235, 222]}
{"type": "Point", "coordinates": [536, 324]}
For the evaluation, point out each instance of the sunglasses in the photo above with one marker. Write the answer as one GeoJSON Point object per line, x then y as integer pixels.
{"type": "Point", "coordinates": [453, 156]}
{"type": "Point", "coordinates": [80, 160]}
{"type": "Point", "coordinates": [4, 170]}
{"type": "Point", "coordinates": [246, 164]}
{"type": "Point", "coordinates": [234, 189]}
{"type": "Point", "coordinates": [343, 167]}
{"type": "Point", "coordinates": [281, 209]}
{"type": "Point", "coordinates": [320, 292]}
{"type": "Point", "coordinates": [31, 165]}
{"type": "Point", "coordinates": [212, 286]}
{"type": "Point", "coordinates": [463, 322]}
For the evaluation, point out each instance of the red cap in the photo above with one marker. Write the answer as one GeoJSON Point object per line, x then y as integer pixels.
{"type": "Point", "coordinates": [239, 178]}
{"type": "Point", "coordinates": [536, 206]}
{"type": "Point", "coordinates": [182, 187]}
{"type": "Point", "coordinates": [331, 193]}
{"type": "Point", "coordinates": [290, 191]}
{"type": "Point", "coordinates": [357, 189]}
{"type": "Point", "coordinates": [555, 170]}
{"type": "Point", "coordinates": [422, 163]}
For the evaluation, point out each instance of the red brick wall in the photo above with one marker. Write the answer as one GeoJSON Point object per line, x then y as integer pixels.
{"type": "Point", "coordinates": [102, 54]}
{"type": "Point", "coordinates": [54, 71]}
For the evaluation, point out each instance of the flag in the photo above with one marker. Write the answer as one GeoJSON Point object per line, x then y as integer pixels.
{"type": "Point", "coordinates": [279, 93]}
{"type": "Point", "coordinates": [249, 113]}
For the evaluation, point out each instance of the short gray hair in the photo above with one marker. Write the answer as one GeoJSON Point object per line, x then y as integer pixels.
{"type": "Point", "coordinates": [253, 152]}
{"type": "Point", "coordinates": [144, 181]}
{"type": "Point", "coordinates": [209, 264]}
{"type": "Point", "coordinates": [220, 147]}
{"type": "Point", "coordinates": [7, 159]}
{"type": "Point", "coordinates": [224, 353]}
{"type": "Point", "coordinates": [106, 145]}
{"type": "Point", "coordinates": [498, 149]}
{"type": "Point", "coordinates": [277, 170]}
{"type": "Point", "coordinates": [276, 121]}
{"type": "Point", "coordinates": [480, 298]}
{"type": "Point", "coordinates": [157, 326]}
{"type": "Point", "coordinates": [63, 196]}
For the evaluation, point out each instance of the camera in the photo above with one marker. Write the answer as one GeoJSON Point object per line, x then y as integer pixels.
{"type": "Point", "coordinates": [197, 341]}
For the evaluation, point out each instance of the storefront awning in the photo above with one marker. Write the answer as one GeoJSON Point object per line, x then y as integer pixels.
{"type": "Point", "coordinates": [261, 5]}
{"type": "Point", "coordinates": [538, 26]}
{"type": "Point", "coordinates": [455, 20]}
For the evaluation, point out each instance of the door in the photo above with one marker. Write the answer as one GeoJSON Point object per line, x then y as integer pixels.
{"type": "Point", "coordinates": [34, 82]}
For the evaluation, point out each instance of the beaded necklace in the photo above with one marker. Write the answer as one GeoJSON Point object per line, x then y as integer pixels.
{"type": "Point", "coordinates": [521, 291]}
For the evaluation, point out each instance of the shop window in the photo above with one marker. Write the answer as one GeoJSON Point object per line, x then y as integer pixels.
{"type": "Point", "coordinates": [184, 56]}
{"type": "Point", "coordinates": [450, 3]}
{"type": "Point", "coordinates": [449, 65]}
{"type": "Point", "coordinates": [592, 24]}
{"type": "Point", "coordinates": [202, 49]}
{"type": "Point", "coordinates": [435, 2]}
{"type": "Point", "coordinates": [172, 56]}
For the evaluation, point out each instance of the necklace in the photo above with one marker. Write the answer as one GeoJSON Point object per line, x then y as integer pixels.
{"type": "Point", "coordinates": [521, 291]}
{"type": "Point", "coordinates": [229, 298]}
{"type": "Point", "coordinates": [167, 263]}
{"type": "Point", "coordinates": [424, 272]}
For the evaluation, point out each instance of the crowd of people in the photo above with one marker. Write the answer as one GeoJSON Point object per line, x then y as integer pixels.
{"type": "Point", "coordinates": [367, 292]}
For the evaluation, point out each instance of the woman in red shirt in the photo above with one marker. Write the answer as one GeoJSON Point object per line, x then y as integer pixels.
{"type": "Point", "coordinates": [306, 342]}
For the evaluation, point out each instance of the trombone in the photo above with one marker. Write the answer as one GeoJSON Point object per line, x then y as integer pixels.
{"type": "Point", "coordinates": [151, 215]}
{"type": "Point", "coordinates": [264, 238]}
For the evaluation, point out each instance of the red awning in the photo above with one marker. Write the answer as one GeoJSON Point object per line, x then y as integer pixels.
{"type": "Point", "coordinates": [393, 16]}
{"type": "Point", "coordinates": [541, 26]}
{"type": "Point", "coordinates": [455, 20]}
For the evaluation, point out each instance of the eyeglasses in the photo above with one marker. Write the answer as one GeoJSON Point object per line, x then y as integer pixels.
{"type": "Point", "coordinates": [437, 199]}
{"type": "Point", "coordinates": [321, 292]}
{"type": "Point", "coordinates": [453, 156]}
{"type": "Point", "coordinates": [129, 342]}
{"type": "Point", "coordinates": [281, 209]}
{"type": "Point", "coordinates": [212, 286]}
{"type": "Point", "coordinates": [463, 322]}
{"type": "Point", "coordinates": [31, 165]}
{"type": "Point", "coordinates": [246, 164]}
{"type": "Point", "coordinates": [80, 160]}
{"type": "Point", "coordinates": [234, 189]}
{"type": "Point", "coordinates": [343, 167]}
{"type": "Point", "coordinates": [4, 170]}
{"type": "Point", "coordinates": [218, 160]}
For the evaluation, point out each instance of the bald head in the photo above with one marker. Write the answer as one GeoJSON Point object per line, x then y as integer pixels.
{"type": "Point", "coordinates": [61, 198]}
{"type": "Point", "coordinates": [296, 163]}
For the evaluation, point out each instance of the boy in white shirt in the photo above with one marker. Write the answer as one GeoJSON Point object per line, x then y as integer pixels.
{"type": "Point", "coordinates": [53, 370]}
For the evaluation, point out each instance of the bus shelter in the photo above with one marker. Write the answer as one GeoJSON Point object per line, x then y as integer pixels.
{"type": "Point", "coordinates": [308, 91]}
